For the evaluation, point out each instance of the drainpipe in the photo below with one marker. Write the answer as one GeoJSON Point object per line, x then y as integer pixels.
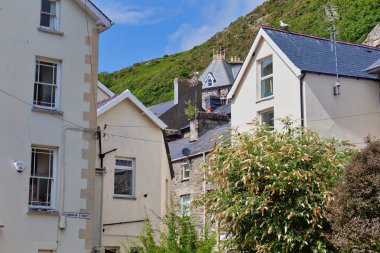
{"type": "Point", "coordinates": [302, 99]}
{"type": "Point", "coordinates": [204, 191]}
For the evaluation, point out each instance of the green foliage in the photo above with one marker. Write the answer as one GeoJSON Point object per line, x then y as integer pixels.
{"type": "Point", "coordinates": [355, 213]}
{"type": "Point", "coordinates": [272, 188]}
{"type": "Point", "coordinates": [152, 81]}
{"type": "Point", "coordinates": [179, 236]}
{"type": "Point", "coordinates": [190, 109]}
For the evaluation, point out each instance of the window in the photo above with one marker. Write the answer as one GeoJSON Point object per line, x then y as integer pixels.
{"type": "Point", "coordinates": [124, 177]}
{"type": "Point", "coordinates": [210, 82]}
{"type": "Point", "coordinates": [266, 78]}
{"type": "Point", "coordinates": [267, 117]}
{"type": "Point", "coordinates": [45, 86]}
{"type": "Point", "coordinates": [185, 170]}
{"type": "Point", "coordinates": [185, 205]}
{"type": "Point", "coordinates": [112, 250]}
{"type": "Point", "coordinates": [41, 186]}
{"type": "Point", "coordinates": [49, 17]}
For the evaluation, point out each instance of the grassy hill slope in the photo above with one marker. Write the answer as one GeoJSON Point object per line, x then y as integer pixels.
{"type": "Point", "coordinates": [152, 81]}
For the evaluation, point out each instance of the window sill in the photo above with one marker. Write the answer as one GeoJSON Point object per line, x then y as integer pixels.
{"type": "Point", "coordinates": [264, 99]}
{"type": "Point", "coordinates": [124, 197]}
{"type": "Point", "coordinates": [50, 111]}
{"type": "Point", "coordinates": [38, 211]}
{"type": "Point", "coordinates": [47, 30]}
{"type": "Point", "coordinates": [185, 180]}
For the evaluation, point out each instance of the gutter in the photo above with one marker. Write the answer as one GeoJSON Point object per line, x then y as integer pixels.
{"type": "Point", "coordinates": [168, 154]}
{"type": "Point", "coordinates": [303, 74]}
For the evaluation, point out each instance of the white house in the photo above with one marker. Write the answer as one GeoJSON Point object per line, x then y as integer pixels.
{"type": "Point", "coordinates": [287, 73]}
{"type": "Point", "coordinates": [48, 73]}
{"type": "Point", "coordinates": [134, 168]}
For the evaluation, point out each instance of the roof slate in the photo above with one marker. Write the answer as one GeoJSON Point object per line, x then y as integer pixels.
{"type": "Point", "coordinates": [204, 144]}
{"type": "Point", "coordinates": [160, 109]}
{"type": "Point", "coordinates": [314, 54]}
{"type": "Point", "coordinates": [222, 71]}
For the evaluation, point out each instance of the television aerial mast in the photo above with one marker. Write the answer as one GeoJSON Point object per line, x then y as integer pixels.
{"type": "Point", "coordinates": [332, 15]}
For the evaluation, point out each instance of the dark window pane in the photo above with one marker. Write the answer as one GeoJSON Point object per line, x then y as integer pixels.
{"type": "Point", "coordinates": [45, 20]}
{"type": "Point", "coordinates": [45, 95]}
{"type": "Point", "coordinates": [39, 192]}
{"type": "Point", "coordinates": [266, 67]}
{"type": "Point", "coordinates": [123, 182]}
{"type": "Point", "coordinates": [47, 74]}
{"type": "Point", "coordinates": [268, 118]}
{"type": "Point", "coordinates": [46, 6]}
{"type": "Point", "coordinates": [124, 163]}
{"type": "Point", "coordinates": [42, 163]}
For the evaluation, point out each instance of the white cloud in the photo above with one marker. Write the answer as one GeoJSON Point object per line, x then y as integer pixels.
{"type": "Point", "coordinates": [215, 16]}
{"type": "Point", "coordinates": [120, 13]}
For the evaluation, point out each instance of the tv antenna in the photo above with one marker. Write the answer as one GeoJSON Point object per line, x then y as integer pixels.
{"type": "Point", "coordinates": [332, 15]}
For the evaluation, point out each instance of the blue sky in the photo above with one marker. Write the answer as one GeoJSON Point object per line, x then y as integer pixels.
{"type": "Point", "coordinates": [147, 29]}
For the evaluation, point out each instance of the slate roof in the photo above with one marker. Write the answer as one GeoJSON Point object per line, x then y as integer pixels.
{"type": "Point", "coordinates": [374, 68]}
{"type": "Point", "coordinates": [224, 109]}
{"type": "Point", "coordinates": [105, 101]}
{"type": "Point", "coordinates": [160, 109]}
{"type": "Point", "coordinates": [223, 72]}
{"type": "Point", "coordinates": [314, 54]}
{"type": "Point", "coordinates": [204, 144]}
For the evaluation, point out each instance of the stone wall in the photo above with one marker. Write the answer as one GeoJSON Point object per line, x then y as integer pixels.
{"type": "Point", "coordinates": [204, 122]}
{"type": "Point", "coordinates": [373, 38]}
{"type": "Point", "coordinates": [192, 186]}
{"type": "Point", "coordinates": [217, 92]}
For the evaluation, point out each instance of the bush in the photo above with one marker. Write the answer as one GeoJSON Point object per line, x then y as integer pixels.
{"type": "Point", "coordinates": [179, 236]}
{"type": "Point", "coordinates": [272, 188]}
{"type": "Point", "coordinates": [355, 213]}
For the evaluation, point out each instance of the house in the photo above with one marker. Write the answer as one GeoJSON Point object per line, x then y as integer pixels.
{"type": "Point", "coordinates": [48, 74]}
{"type": "Point", "coordinates": [134, 169]}
{"type": "Point", "coordinates": [173, 112]}
{"type": "Point", "coordinates": [217, 80]}
{"type": "Point", "coordinates": [288, 73]}
{"type": "Point", "coordinates": [188, 156]}
{"type": "Point", "coordinates": [373, 38]}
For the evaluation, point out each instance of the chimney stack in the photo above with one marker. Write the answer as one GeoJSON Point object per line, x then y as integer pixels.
{"type": "Point", "coordinates": [204, 122]}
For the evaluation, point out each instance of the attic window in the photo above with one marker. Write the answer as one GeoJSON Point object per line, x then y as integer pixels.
{"type": "Point", "coordinates": [266, 78]}
{"type": "Point", "coordinates": [210, 82]}
{"type": "Point", "coordinates": [49, 17]}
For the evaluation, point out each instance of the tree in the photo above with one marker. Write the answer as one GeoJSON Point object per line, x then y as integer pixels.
{"type": "Point", "coordinates": [272, 188]}
{"type": "Point", "coordinates": [355, 213]}
{"type": "Point", "coordinates": [179, 236]}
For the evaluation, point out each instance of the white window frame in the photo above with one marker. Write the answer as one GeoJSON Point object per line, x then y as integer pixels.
{"type": "Point", "coordinates": [185, 167]}
{"type": "Point", "coordinates": [53, 178]}
{"type": "Point", "coordinates": [56, 15]}
{"type": "Point", "coordinates": [263, 78]}
{"type": "Point", "coordinates": [185, 204]}
{"type": "Point", "coordinates": [57, 85]}
{"type": "Point", "coordinates": [271, 128]}
{"type": "Point", "coordinates": [126, 168]}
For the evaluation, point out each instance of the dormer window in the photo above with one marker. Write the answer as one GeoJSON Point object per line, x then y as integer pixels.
{"type": "Point", "coordinates": [49, 17]}
{"type": "Point", "coordinates": [266, 78]}
{"type": "Point", "coordinates": [209, 80]}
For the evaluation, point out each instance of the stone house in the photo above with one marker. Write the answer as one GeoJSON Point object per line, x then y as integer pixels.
{"type": "Point", "coordinates": [217, 80]}
{"type": "Point", "coordinates": [188, 156]}
{"type": "Point", "coordinates": [48, 73]}
{"type": "Point", "coordinates": [134, 169]}
{"type": "Point", "coordinates": [173, 112]}
{"type": "Point", "coordinates": [288, 73]}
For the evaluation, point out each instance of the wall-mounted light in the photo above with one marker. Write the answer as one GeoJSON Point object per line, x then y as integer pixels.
{"type": "Point", "coordinates": [20, 166]}
{"type": "Point", "coordinates": [337, 88]}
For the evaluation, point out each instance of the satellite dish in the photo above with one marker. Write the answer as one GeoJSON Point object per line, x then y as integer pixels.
{"type": "Point", "coordinates": [186, 152]}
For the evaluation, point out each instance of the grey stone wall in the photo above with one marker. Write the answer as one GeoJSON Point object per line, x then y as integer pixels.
{"type": "Point", "coordinates": [192, 186]}
{"type": "Point", "coordinates": [218, 92]}
{"type": "Point", "coordinates": [373, 38]}
{"type": "Point", "coordinates": [204, 122]}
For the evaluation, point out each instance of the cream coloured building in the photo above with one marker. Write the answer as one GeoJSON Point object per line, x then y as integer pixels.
{"type": "Point", "coordinates": [48, 73]}
{"type": "Point", "coordinates": [292, 74]}
{"type": "Point", "coordinates": [134, 171]}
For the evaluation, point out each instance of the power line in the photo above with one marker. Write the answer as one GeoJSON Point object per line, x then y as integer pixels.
{"type": "Point", "coordinates": [32, 106]}
{"type": "Point", "coordinates": [341, 117]}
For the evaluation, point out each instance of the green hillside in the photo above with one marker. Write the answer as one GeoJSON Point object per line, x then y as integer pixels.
{"type": "Point", "coordinates": [152, 81]}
